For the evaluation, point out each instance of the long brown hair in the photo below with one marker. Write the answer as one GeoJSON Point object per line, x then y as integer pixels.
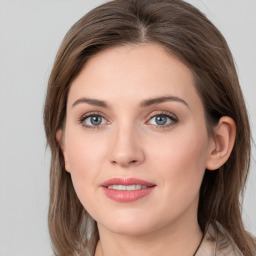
{"type": "Point", "coordinates": [185, 32]}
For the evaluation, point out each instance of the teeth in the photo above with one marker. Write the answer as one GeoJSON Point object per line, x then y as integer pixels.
{"type": "Point", "coordinates": [129, 187]}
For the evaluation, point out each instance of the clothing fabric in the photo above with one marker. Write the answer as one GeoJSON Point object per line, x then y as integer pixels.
{"type": "Point", "coordinates": [217, 243]}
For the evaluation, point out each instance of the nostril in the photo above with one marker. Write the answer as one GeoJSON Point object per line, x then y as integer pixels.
{"type": "Point", "coordinates": [125, 163]}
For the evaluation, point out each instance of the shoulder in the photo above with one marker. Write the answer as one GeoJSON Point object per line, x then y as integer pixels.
{"type": "Point", "coordinates": [217, 243]}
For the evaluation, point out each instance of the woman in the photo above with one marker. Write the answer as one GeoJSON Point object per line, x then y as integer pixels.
{"type": "Point", "coordinates": [149, 135]}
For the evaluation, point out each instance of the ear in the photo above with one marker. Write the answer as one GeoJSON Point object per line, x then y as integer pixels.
{"type": "Point", "coordinates": [222, 143]}
{"type": "Point", "coordinates": [59, 137]}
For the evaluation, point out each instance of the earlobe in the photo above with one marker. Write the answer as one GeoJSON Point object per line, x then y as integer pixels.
{"type": "Point", "coordinates": [59, 137]}
{"type": "Point", "coordinates": [222, 143]}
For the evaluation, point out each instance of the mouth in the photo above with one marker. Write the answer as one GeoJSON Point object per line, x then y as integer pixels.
{"type": "Point", "coordinates": [127, 190]}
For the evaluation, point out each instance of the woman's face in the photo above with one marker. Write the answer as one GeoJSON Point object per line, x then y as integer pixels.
{"type": "Point", "coordinates": [135, 140]}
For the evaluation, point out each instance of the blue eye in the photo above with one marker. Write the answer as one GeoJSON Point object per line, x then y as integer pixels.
{"type": "Point", "coordinates": [93, 120]}
{"type": "Point", "coordinates": [162, 120]}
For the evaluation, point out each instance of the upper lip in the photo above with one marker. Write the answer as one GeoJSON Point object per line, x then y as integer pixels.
{"type": "Point", "coordinates": [126, 182]}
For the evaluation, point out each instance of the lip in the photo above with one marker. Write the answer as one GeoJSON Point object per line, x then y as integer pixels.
{"type": "Point", "coordinates": [126, 182]}
{"type": "Point", "coordinates": [127, 195]}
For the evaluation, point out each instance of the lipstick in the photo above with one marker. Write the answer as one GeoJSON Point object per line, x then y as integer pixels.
{"type": "Point", "coordinates": [127, 190]}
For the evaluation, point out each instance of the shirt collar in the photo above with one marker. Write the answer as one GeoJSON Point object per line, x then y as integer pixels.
{"type": "Point", "coordinates": [217, 241]}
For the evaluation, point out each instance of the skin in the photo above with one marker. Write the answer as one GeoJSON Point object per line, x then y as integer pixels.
{"type": "Point", "coordinates": [130, 143]}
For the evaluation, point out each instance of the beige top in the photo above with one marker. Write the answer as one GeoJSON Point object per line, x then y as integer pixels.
{"type": "Point", "coordinates": [217, 244]}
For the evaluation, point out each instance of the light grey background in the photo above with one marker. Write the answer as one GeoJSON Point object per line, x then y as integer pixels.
{"type": "Point", "coordinates": [30, 34]}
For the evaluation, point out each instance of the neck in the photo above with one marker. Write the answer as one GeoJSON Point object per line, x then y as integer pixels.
{"type": "Point", "coordinates": [182, 240]}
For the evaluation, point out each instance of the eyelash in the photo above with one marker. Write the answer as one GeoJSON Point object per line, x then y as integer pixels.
{"type": "Point", "coordinates": [91, 114]}
{"type": "Point", "coordinates": [173, 120]}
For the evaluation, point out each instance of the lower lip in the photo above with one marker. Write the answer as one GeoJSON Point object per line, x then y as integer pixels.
{"type": "Point", "coordinates": [127, 195]}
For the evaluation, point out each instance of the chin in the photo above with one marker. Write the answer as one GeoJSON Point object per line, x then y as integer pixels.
{"type": "Point", "coordinates": [130, 224]}
{"type": "Point", "coordinates": [129, 229]}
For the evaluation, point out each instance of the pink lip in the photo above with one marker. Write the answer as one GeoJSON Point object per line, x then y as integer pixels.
{"type": "Point", "coordinates": [126, 182]}
{"type": "Point", "coordinates": [130, 195]}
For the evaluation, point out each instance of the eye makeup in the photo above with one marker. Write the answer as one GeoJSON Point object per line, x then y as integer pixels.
{"type": "Point", "coordinates": [158, 120]}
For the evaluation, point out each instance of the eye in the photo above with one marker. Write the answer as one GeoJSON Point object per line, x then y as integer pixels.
{"type": "Point", "coordinates": [93, 120]}
{"type": "Point", "coordinates": [162, 120]}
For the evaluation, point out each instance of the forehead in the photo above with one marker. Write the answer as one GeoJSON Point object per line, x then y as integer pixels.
{"type": "Point", "coordinates": [133, 72]}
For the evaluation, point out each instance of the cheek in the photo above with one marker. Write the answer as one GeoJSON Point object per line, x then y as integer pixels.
{"type": "Point", "coordinates": [83, 172]}
{"type": "Point", "coordinates": [84, 151]}
{"type": "Point", "coordinates": [82, 157]}
{"type": "Point", "coordinates": [85, 158]}
{"type": "Point", "coordinates": [182, 159]}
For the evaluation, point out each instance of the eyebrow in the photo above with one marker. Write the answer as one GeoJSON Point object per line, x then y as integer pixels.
{"type": "Point", "coordinates": [94, 102]}
{"type": "Point", "coordinates": [158, 100]}
{"type": "Point", "coordinates": [144, 103]}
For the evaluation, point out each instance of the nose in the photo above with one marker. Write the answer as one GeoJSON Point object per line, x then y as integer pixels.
{"type": "Point", "coordinates": [127, 149]}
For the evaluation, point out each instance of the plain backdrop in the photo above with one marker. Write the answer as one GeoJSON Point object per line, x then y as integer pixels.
{"type": "Point", "coordinates": [30, 33]}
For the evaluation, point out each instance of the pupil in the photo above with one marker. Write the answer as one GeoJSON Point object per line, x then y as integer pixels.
{"type": "Point", "coordinates": [161, 120]}
{"type": "Point", "coordinates": [96, 120]}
